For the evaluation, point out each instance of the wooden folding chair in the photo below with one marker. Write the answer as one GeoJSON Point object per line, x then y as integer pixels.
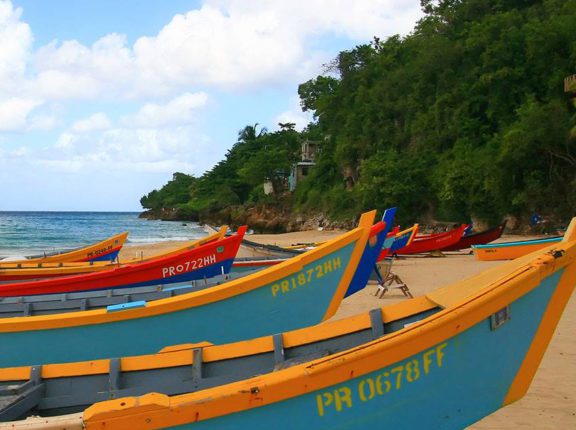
{"type": "Point", "coordinates": [388, 279]}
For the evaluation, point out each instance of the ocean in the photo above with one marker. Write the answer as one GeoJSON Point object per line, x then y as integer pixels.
{"type": "Point", "coordinates": [29, 233]}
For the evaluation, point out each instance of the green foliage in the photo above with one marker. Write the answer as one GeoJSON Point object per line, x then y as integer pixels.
{"type": "Point", "coordinates": [465, 117]}
{"type": "Point", "coordinates": [390, 178]}
{"type": "Point", "coordinates": [176, 192]}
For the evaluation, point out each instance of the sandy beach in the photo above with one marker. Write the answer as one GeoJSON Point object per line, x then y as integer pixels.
{"type": "Point", "coordinates": [551, 400]}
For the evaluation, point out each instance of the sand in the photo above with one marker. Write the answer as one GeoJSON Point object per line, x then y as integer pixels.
{"type": "Point", "coordinates": [551, 400]}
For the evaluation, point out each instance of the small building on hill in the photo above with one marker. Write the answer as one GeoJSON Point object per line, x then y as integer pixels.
{"type": "Point", "coordinates": [307, 161]}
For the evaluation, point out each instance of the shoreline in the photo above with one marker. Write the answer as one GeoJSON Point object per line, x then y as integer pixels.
{"type": "Point", "coordinates": [550, 402]}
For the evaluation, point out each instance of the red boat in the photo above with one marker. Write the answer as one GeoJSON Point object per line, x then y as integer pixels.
{"type": "Point", "coordinates": [208, 260]}
{"type": "Point", "coordinates": [479, 238]}
{"type": "Point", "coordinates": [433, 242]}
{"type": "Point", "coordinates": [23, 271]}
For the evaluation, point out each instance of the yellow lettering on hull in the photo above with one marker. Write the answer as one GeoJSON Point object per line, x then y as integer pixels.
{"type": "Point", "coordinates": [385, 381]}
{"type": "Point", "coordinates": [305, 277]}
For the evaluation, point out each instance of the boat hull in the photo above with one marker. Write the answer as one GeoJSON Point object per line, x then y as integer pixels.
{"type": "Point", "coordinates": [480, 238]}
{"type": "Point", "coordinates": [433, 243]}
{"type": "Point", "coordinates": [462, 384]}
{"type": "Point", "coordinates": [10, 272]}
{"type": "Point", "coordinates": [106, 250]}
{"type": "Point", "coordinates": [511, 250]}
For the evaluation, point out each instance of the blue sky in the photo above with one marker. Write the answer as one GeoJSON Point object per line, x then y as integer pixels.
{"type": "Point", "coordinates": [102, 101]}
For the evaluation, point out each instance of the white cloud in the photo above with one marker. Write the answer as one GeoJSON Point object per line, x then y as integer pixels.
{"type": "Point", "coordinates": [14, 112]}
{"type": "Point", "coordinates": [42, 122]}
{"type": "Point", "coordinates": [15, 44]}
{"type": "Point", "coordinates": [65, 142]}
{"type": "Point", "coordinates": [98, 121]}
{"type": "Point", "coordinates": [129, 149]}
{"type": "Point", "coordinates": [16, 153]}
{"type": "Point", "coordinates": [71, 70]}
{"type": "Point", "coordinates": [214, 47]}
{"type": "Point", "coordinates": [59, 85]}
{"type": "Point", "coordinates": [359, 20]}
{"type": "Point", "coordinates": [178, 111]}
{"type": "Point", "coordinates": [225, 43]}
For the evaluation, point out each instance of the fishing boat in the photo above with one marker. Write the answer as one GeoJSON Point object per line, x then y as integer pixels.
{"type": "Point", "coordinates": [443, 360]}
{"type": "Point", "coordinates": [371, 253]}
{"type": "Point", "coordinates": [204, 261]}
{"type": "Point", "coordinates": [106, 250]}
{"type": "Point", "coordinates": [21, 271]}
{"type": "Point", "coordinates": [511, 250]}
{"type": "Point", "coordinates": [304, 290]}
{"type": "Point", "coordinates": [434, 242]}
{"type": "Point", "coordinates": [480, 238]}
{"type": "Point", "coordinates": [390, 239]}
{"type": "Point", "coordinates": [401, 240]}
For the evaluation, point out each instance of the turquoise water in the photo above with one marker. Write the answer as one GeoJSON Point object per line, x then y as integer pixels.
{"type": "Point", "coordinates": [26, 233]}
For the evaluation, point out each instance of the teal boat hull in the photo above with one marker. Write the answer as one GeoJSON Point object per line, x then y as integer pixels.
{"type": "Point", "coordinates": [458, 382]}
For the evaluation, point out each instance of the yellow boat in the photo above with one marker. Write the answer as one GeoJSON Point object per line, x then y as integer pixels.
{"type": "Point", "coordinates": [511, 250]}
{"type": "Point", "coordinates": [106, 250]}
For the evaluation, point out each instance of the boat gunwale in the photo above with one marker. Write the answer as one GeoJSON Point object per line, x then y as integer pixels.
{"type": "Point", "coordinates": [519, 243]}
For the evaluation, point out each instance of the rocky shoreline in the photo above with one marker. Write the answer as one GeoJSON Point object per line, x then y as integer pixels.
{"type": "Point", "coordinates": [272, 219]}
{"type": "Point", "coordinates": [262, 220]}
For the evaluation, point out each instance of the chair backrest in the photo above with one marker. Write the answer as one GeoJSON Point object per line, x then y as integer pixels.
{"type": "Point", "coordinates": [385, 266]}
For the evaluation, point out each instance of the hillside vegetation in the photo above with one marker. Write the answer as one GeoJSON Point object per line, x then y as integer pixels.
{"type": "Point", "coordinates": [465, 118]}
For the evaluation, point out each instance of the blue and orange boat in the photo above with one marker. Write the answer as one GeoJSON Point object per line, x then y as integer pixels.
{"type": "Point", "coordinates": [399, 241]}
{"type": "Point", "coordinates": [511, 250]}
{"type": "Point", "coordinates": [444, 360]}
{"type": "Point", "coordinates": [304, 290]}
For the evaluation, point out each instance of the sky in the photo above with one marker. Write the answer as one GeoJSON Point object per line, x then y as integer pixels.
{"type": "Point", "coordinates": [102, 101]}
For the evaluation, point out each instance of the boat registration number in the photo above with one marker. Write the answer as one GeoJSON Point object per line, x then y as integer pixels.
{"type": "Point", "coordinates": [188, 266]}
{"type": "Point", "coordinates": [381, 383]}
{"type": "Point", "coordinates": [99, 251]}
{"type": "Point", "coordinates": [304, 277]}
